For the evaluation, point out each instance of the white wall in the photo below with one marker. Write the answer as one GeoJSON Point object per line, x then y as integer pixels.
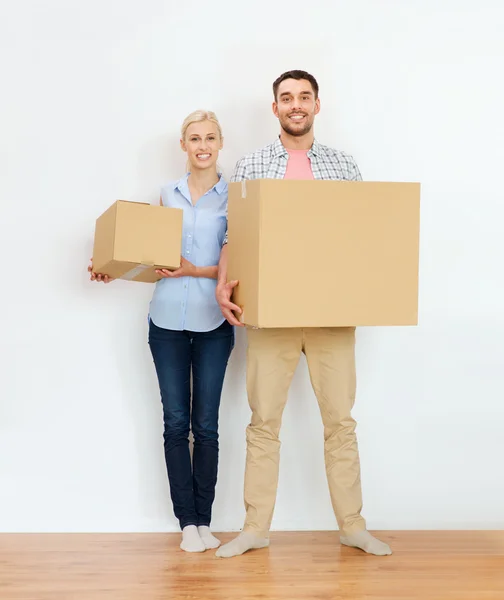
{"type": "Point", "coordinates": [93, 96]}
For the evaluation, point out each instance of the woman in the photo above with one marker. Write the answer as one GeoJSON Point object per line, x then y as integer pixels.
{"type": "Point", "coordinates": [188, 334]}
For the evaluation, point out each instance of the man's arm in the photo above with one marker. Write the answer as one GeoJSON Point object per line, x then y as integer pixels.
{"type": "Point", "coordinates": [240, 172]}
{"type": "Point", "coordinates": [224, 290]}
{"type": "Point", "coordinates": [222, 267]}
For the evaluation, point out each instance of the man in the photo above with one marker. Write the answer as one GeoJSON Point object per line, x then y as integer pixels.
{"type": "Point", "coordinates": [273, 354]}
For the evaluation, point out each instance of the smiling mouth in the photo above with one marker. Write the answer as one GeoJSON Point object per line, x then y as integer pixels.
{"type": "Point", "coordinates": [296, 118]}
{"type": "Point", "coordinates": [203, 156]}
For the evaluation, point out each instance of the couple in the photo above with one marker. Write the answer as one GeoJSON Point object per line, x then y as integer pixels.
{"type": "Point", "coordinates": [191, 329]}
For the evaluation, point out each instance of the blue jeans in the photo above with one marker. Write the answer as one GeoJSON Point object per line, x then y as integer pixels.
{"type": "Point", "coordinates": [175, 353]}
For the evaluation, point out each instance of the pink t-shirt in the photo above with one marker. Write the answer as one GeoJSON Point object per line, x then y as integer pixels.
{"type": "Point", "coordinates": [298, 165]}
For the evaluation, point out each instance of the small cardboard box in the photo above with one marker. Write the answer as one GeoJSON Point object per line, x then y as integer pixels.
{"type": "Point", "coordinates": [324, 253]}
{"type": "Point", "coordinates": [133, 239]}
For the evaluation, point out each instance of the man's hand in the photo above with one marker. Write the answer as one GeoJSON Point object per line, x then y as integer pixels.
{"type": "Point", "coordinates": [223, 294]}
{"type": "Point", "coordinates": [186, 269]}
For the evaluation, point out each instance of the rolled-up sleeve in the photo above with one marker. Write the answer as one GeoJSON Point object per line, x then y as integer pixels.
{"type": "Point", "coordinates": [355, 174]}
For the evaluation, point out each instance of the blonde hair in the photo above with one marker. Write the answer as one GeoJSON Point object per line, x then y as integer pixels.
{"type": "Point", "coordinates": [196, 117]}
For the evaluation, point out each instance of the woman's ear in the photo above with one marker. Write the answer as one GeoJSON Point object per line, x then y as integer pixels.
{"type": "Point", "coordinates": [183, 145]}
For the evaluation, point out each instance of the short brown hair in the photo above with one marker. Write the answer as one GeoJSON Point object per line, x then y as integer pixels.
{"type": "Point", "coordinates": [298, 75]}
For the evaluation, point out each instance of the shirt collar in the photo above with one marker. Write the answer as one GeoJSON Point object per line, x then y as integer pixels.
{"type": "Point", "coordinates": [315, 150]}
{"type": "Point", "coordinates": [182, 186]}
{"type": "Point", "coordinates": [221, 185]}
{"type": "Point", "coordinates": [279, 149]}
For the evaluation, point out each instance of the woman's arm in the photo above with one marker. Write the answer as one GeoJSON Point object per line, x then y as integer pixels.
{"type": "Point", "coordinates": [207, 272]}
{"type": "Point", "coordinates": [187, 269]}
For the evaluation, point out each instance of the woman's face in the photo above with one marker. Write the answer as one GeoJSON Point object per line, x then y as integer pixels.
{"type": "Point", "coordinates": [202, 143]}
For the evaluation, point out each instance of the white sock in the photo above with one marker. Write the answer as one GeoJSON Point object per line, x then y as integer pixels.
{"type": "Point", "coordinates": [244, 542]}
{"type": "Point", "coordinates": [207, 538]}
{"type": "Point", "coordinates": [365, 541]}
{"type": "Point", "coordinates": [191, 541]}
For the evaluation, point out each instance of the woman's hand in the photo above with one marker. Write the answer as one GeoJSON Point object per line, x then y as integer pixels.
{"type": "Point", "coordinates": [98, 276]}
{"type": "Point", "coordinates": [186, 269]}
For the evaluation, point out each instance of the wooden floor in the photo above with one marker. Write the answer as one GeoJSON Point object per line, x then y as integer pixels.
{"type": "Point", "coordinates": [304, 566]}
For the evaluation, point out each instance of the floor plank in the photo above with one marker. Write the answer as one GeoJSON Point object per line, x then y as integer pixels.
{"type": "Point", "coordinates": [458, 565]}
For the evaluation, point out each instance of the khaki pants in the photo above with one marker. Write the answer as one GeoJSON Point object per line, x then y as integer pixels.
{"type": "Point", "coordinates": [272, 358]}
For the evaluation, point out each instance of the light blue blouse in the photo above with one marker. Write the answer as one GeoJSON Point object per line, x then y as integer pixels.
{"type": "Point", "coordinates": [188, 303]}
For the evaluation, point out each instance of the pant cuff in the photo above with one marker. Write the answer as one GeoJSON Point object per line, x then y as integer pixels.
{"type": "Point", "coordinates": [258, 532]}
{"type": "Point", "coordinates": [346, 531]}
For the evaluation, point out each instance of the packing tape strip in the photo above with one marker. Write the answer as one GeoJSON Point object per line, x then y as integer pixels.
{"type": "Point", "coordinates": [244, 188]}
{"type": "Point", "coordinates": [129, 275]}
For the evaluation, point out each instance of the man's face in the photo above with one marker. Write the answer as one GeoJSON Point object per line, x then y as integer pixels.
{"type": "Point", "coordinates": [296, 106]}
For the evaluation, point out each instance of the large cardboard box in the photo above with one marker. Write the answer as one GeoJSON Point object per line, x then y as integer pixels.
{"type": "Point", "coordinates": [324, 253]}
{"type": "Point", "coordinates": [133, 239]}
